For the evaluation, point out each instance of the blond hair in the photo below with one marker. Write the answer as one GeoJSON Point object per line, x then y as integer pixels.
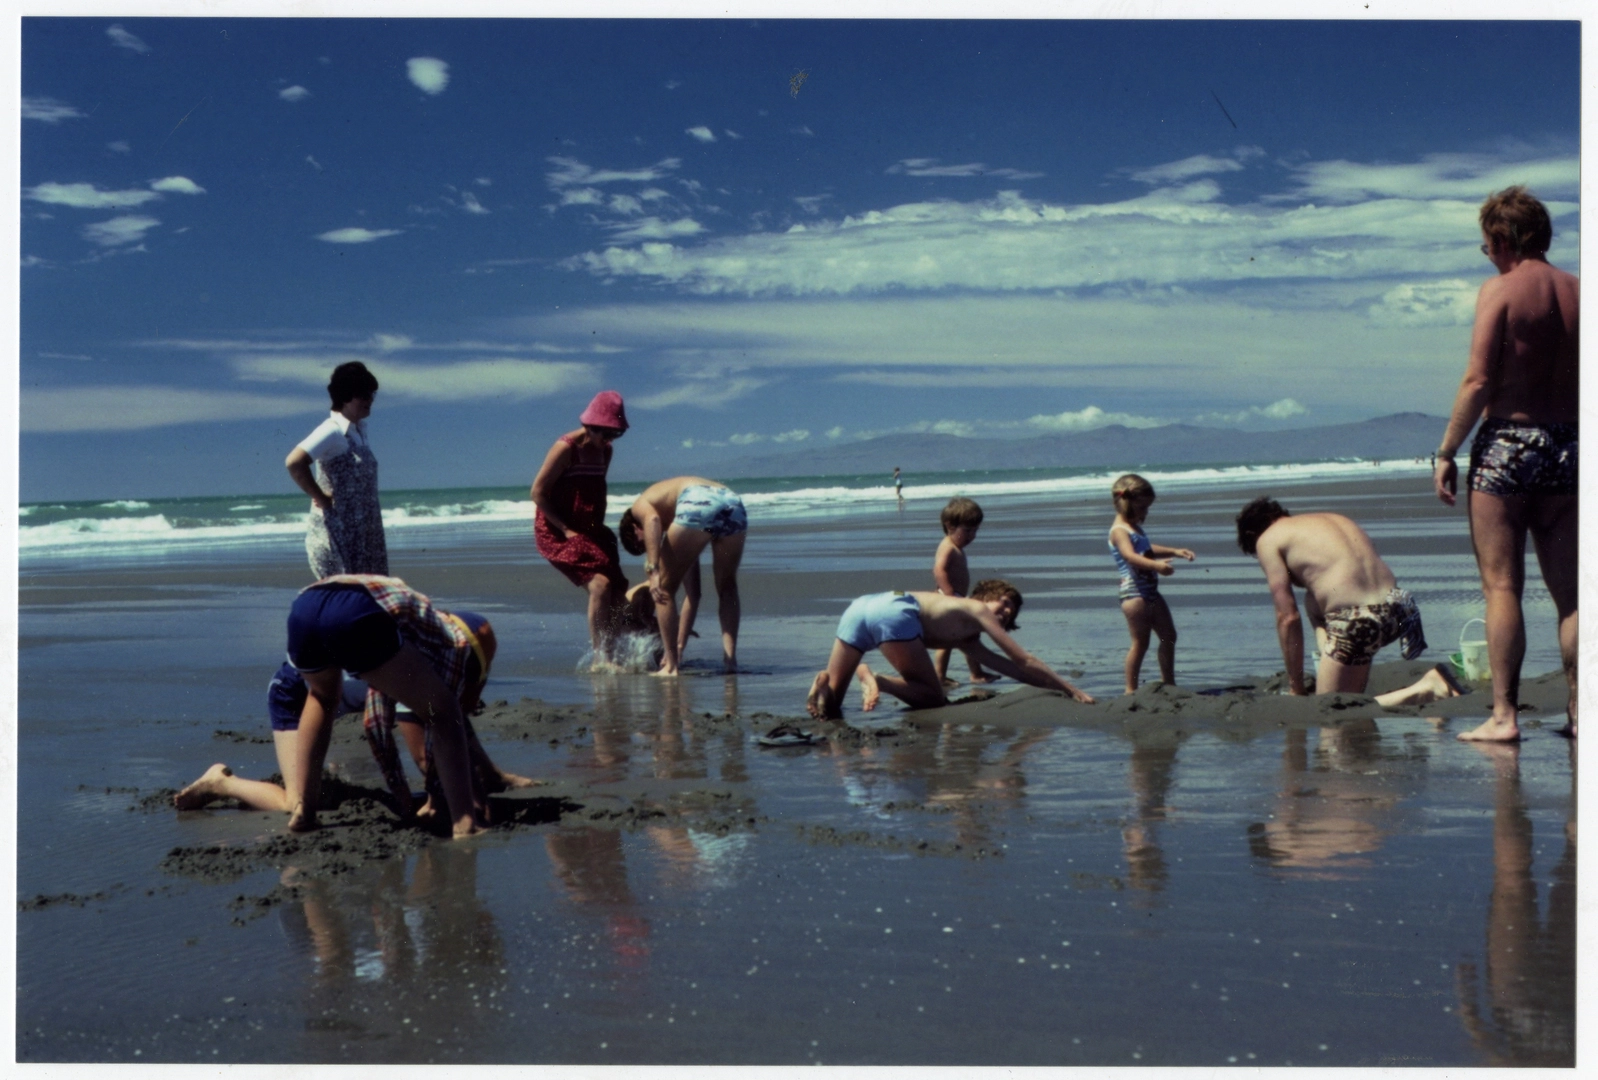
{"type": "Point", "coordinates": [1128, 487]}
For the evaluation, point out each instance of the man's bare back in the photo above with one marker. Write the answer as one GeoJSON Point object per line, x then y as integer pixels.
{"type": "Point", "coordinates": [949, 622]}
{"type": "Point", "coordinates": [1528, 332]}
{"type": "Point", "coordinates": [1328, 556]}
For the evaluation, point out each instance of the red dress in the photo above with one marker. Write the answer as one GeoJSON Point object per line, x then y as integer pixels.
{"type": "Point", "coordinates": [589, 547]}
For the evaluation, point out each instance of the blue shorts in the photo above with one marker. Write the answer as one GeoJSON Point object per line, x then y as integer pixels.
{"type": "Point", "coordinates": [871, 620]}
{"type": "Point", "coordinates": [286, 694]}
{"type": "Point", "coordinates": [714, 510]}
{"type": "Point", "coordinates": [340, 626]}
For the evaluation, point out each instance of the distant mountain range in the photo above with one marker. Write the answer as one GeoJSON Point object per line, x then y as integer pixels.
{"type": "Point", "coordinates": [1401, 435]}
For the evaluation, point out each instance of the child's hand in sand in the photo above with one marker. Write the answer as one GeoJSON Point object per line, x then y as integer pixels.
{"type": "Point", "coordinates": [870, 692]}
{"type": "Point", "coordinates": [1082, 695]}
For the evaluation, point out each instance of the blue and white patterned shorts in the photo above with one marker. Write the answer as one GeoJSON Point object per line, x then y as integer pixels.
{"type": "Point", "coordinates": [714, 510]}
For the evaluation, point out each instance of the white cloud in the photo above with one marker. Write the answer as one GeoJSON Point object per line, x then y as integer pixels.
{"type": "Point", "coordinates": [1088, 419]}
{"type": "Point", "coordinates": [930, 167]}
{"type": "Point", "coordinates": [313, 163]}
{"type": "Point", "coordinates": [48, 110]}
{"type": "Point", "coordinates": [653, 228]}
{"type": "Point", "coordinates": [1451, 302]}
{"type": "Point", "coordinates": [482, 379]}
{"type": "Point", "coordinates": [180, 184]}
{"type": "Point", "coordinates": [1471, 177]}
{"type": "Point", "coordinates": [1174, 171]}
{"type": "Point", "coordinates": [1285, 409]}
{"type": "Point", "coordinates": [387, 343]}
{"type": "Point", "coordinates": [746, 438]}
{"type": "Point", "coordinates": [483, 181]}
{"type": "Point", "coordinates": [125, 39]}
{"type": "Point", "coordinates": [796, 435]}
{"type": "Point", "coordinates": [86, 196]}
{"type": "Point", "coordinates": [356, 235]}
{"type": "Point", "coordinates": [653, 194]}
{"type": "Point", "coordinates": [802, 129]}
{"type": "Point", "coordinates": [430, 74]}
{"type": "Point", "coordinates": [470, 204]}
{"type": "Point", "coordinates": [625, 204]}
{"type": "Point", "coordinates": [731, 134]}
{"type": "Point", "coordinates": [811, 204]}
{"type": "Point", "coordinates": [121, 146]}
{"type": "Point", "coordinates": [835, 433]}
{"type": "Point", "coordinates": [702, 133]}
{"type": "Point", "coordinates": [703, 393]}
{"type": "Point", "coordinates": [584, 196]}
{"type": "Point", "coordinates": [294, 93]}
{"type": "Point", "coordinates": [128, 229]}
{"type": "Point", "coordinates": [136, 408]}
{"type": "Point", "coordinates": [569, 172]}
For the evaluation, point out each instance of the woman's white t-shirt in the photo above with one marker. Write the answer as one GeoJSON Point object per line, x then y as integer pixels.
{"type": "Point", "coordinates": [332, 438]}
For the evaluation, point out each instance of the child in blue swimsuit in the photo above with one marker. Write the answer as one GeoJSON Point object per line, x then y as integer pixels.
{"type": "Point", "coordinates": [1139, 561]}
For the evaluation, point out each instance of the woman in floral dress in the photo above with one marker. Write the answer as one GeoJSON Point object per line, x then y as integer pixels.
{"type": "Point", "coordinates": [335, 466]}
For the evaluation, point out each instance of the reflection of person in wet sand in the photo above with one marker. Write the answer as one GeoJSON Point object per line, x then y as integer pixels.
{"type": "Point", "coordinates": [670, 524]}
{"type": "Point", "coordinates": [1353, 600]}
{"type": "Point", "coordinates": [1523, 383]}
{"type": "Point", "coordinates": [1530, 977]}
{"type": "Point", "coordinates": [1149, 772]}
{"type": "Point", "coordinates": [290, 696]}
{"type": "Point", "coordinates": [904, 626]}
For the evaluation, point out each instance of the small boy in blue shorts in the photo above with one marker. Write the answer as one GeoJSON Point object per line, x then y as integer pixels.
{"type": "Point", "coordinates": [950, 572]}
{"type": "Point", "coordinates": [904, 626]}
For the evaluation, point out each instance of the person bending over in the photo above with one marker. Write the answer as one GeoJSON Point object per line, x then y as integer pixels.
{"type": "Point", "coordinates": [285, 700]}
{"type": "Point", "coordinates": [904, 626]}
{"type": "Point", "coordinates": [1353, 600]}
{"type": "Point", "coordinates": [670, 525]}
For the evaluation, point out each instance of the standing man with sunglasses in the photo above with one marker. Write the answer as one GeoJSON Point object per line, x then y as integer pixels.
{"type": "Point", "coordinates": [1522, 382]}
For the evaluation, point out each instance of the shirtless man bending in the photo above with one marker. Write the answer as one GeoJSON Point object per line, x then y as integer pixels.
{"type": "Point", "coordinates": [1353, 600]}
{"type": "Point", "coordinates": [1522, 382]}
{"type": "Point", "coordinates": [905, 626]}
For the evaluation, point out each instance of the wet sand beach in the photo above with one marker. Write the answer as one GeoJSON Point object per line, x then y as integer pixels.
{"type": "Point", "coordinates": [1176, 877]}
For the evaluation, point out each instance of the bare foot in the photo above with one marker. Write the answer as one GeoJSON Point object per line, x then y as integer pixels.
{"type": "Point", "coordinates": [302, 820]}
{"type": "Point", "coordinates": [666, 673]}
{"type": "Point", "coordinates": [426, 810]}
{"type": "Point", "coordinates": [511, 780]}
{"type": "Point", "coordinates": [468, 826]}
{"type": "Point", "coordinates": [1569, 730]}
{"type": "Point", "coordinates": [950, 684]}
{"type": "Point", "coordinates": [819, 703]}
{"type": "Point", "coordinates": [1494, 730]}
{"type": "Point", "coordinates": [204, 789]}
{"type": "Point", "coordinates": [983, 677]}
{"type": "Point", "coordinates": [870, 692]}
{"type": "Point", "coordinates": [1441, 682]}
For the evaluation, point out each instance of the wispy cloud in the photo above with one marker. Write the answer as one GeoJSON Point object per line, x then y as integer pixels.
{"type": "Point", "coordinates": [124, 39]}
{"type": "Point", "coordinates": [702, 133]}
{"type": "Point", "coordinates": [931, 167]}
{"type": "Point", "coordinates": [1088, 419]}
{"type": "Point", "coordinates": [1173, 172]}
{"type": "Point", "coordinates": [128, 229]}
{"type": "Point", "coordinates": [569, 172]}
{"type": "Point", "coordinates": [1470, 177]}
{"type": "Point", "coordinates": [1451, 302]}
{"type": "Point", "coordinates": [356, 235]}
{"type": "Point", "coordinates": [294, 93]}
{"type": "Point", "coordinates": [1284, 409]}
{"type": "Point", "coordinates": [87, 196]}
{"type": "Point", "coordinates": [701, 393]}
{"type": "Point", "coordinates": [653, 228]}
{"type": "Point", "coordinates": [429, 74]}
{"type": "Point", "coordinates": [48, 110]}
{"type": "Point", "coordinates": [180, 184]}
{"type": "Point", "coordinates": [486, 378]}
{"type": "Point", "coordinates": [470, 204]}
{"type": "Point", "coordinates": [750, 438]}
{"type": "Point", "coordinates": [136, 408]}
{"type": "Point", "coordinates": [121, 146]}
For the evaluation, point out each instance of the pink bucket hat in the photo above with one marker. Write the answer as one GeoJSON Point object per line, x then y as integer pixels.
{"type": "Point", "coordinates": [605, 410]}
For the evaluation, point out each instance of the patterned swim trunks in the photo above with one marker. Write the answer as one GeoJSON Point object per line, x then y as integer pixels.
{"type": "Point", "coordinates": [714, 510]}
{"type": "Point", "coordinates": [1508, 458]}
{"type": "Point", "coordinates": [1358, 632]}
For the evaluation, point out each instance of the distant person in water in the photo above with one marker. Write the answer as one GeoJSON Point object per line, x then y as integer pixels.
{"type": "Point", "coordinates": [1522, 382]}
{"type": "Point", "coordinates": [1353, 600]}
{"type": "Point", "coordinates": [904, 626]}
{"type": "Point", "coordinates": [1141, 563]}
{"type": "Point", "coordinates": [670, 524]}
{"type": "Point", "coordinates": [286, 697]}
{"type": "Point", "coordinates": [569, 526]}
{"type": "Point", "coordinates": [898, 484]}
{"type": "Point", "coordinates": [335, 466]}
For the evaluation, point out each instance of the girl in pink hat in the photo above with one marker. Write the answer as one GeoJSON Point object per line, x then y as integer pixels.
{"type": "Point", "coordinates": [569, 492]}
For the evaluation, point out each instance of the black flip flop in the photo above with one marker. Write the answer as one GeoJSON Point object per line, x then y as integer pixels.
{"type": "Point", "coordinates": [1447, 672]}
{"type": "Point", "coordinates": [788, 735]}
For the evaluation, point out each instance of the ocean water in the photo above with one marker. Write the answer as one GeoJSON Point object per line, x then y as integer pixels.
{"type": "Point", "coordinates": [1375, 895]}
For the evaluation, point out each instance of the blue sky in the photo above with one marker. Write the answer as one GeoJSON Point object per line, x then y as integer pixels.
{"type": "Point", "coordinates": [764, 233]}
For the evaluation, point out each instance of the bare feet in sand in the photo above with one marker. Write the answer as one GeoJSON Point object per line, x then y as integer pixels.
{"type": "Point", "coordinates": [1569, 730]}
{"type": "Point", "coordinates": [511, 780]}
{"type": "Point", "coordinates": [820, 703]}
{"type": "Point", "coordinates": [983, 677]}
{"type": "Point", "coordinates": [203, 790]}
{"type": "Point", "coordinates": [1494, 730]}
{"type": "Point", "coordinates": [870, 692]}
{"type": "Point", "coordinates": [302, 820]}
{"type": "Point", "coordinates": [469, 827]}
{"type": "Point", "coordinates": [1440, 682]}
{"type": "Point", "coordinates": [950, 684]}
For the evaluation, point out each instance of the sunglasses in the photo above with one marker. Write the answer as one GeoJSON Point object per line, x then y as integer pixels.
{"type": "Point", "coordinates": [610, 433]}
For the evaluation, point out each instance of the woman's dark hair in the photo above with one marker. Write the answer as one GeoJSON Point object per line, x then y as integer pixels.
{"type": "Point", "coordinates": [349, 382]}
{"type": "Point", "coordinates": [1256, 517]}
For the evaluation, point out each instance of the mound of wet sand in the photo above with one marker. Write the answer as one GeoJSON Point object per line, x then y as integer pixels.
{"type": "Point", "coordinates": [359, 826]}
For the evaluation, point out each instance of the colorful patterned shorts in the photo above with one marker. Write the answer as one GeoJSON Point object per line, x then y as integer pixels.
{"type": "Point", "coordinates": [1359, 632]}
{"type": "Point", "coordinates": [1507, 458]}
